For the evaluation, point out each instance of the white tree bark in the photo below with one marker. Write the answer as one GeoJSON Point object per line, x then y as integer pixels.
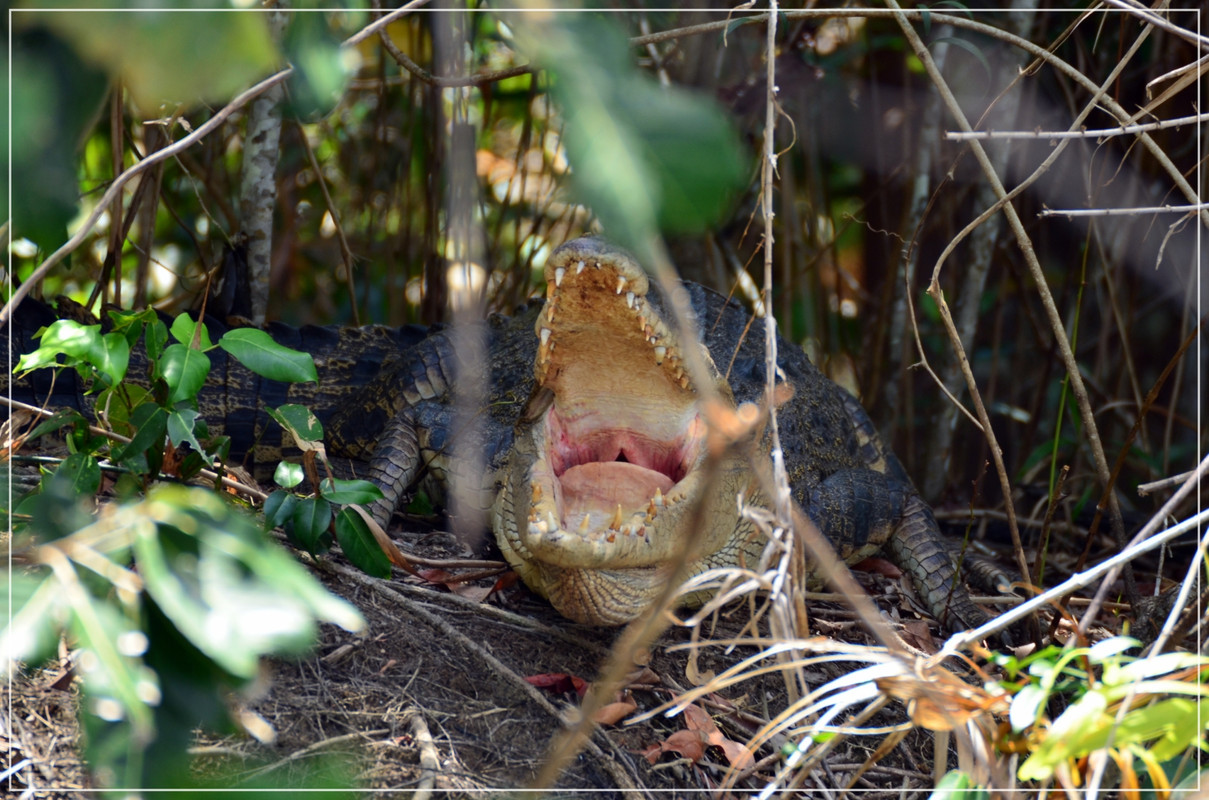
{"type": "Point", "coordinates": [258, 185]}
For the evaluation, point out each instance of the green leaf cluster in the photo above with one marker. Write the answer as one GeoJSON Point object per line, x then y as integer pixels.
{"type": "Point", "coordinates": [163, 410]}
{"type": "Point", "coordinates": [166, 600]}
{"type": "Point", "coordinates": [1143, 708]}
{"type": "Point", "coordinates": [310, 520]}
{"type": "Point", "coordinates": [644, 157]}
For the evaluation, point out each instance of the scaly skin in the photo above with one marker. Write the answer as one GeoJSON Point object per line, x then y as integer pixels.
{"type": "Point", "coordinates": [585, 443]}
{"type": "Point", "coordinates": [606, 462]}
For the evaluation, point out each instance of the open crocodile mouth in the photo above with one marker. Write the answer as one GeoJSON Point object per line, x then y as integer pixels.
{"type": "Point", "coordinates": [618, 435]}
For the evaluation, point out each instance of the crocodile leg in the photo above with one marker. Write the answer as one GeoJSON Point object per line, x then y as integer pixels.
{"type": "Point", "coordinates": [395, 464]}
{"type": "Point", "coordinates": [916, 545]}
{"type": "Point", "coordinates": [860, 508]}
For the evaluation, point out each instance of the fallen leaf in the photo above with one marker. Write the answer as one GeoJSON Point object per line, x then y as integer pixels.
{"type": "Point", "coordinates": [456, 585]}
{"type": "Point", "coordinates": [689, 744]}
{"type": "Point", "coordinates": [559, 682]}
{"type": "Point", "coordinates": [694, 674]}
{"type": "Point", "coordinates": [643, 677]}
{"type": "Point", "coordinates": [915, 633]}
{"type": "Point", "coordinates": [878, 566]}
{"type": "Point", "coordinates": [613, 713]}
{"type": "Point", "coordinates": [698, 719]}
{"type": "Point", "coordinates": [506, 581]}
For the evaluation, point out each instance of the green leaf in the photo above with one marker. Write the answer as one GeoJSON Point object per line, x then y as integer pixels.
{"type": "Point", "coordinates": [299, 422]}
{"type": "Point", "coordinates": [185, 371]}
{"type": "Point", "coordinates": [643, 156]}
{"type": "Point", "coordinates": [156, 337]}
{"type": "Point", "coordinates": [287, 475]}
{"type": "Point", "coordinates": [1110, 648]}
{"type": "Point", "coordinates": [310, 522]}
{"type": "Point", "coordinates": [81, 473]}
{"type": "Point", "coordinates": [55, 98]}
{"type": "Point", "coordinates": [234, 594]}
{"type": "Point", "coordinates": [278, 508]}
{"type": "Point", "coordinates": [957, 785]}
{"type": "Point", "coordinates": [257, 351]}
{"type": "Point", "coordinates": [184, 328]}
{"type": "Point", "coordinates": [181, 425]}
{"type": "Point", "coordinates": [115, 403]}
{"type": "Point", "coordinates": [1028, 703]}
{"type": "Point", "coordinates": [360, 545]}
{"type": "Point", "coordinates": [61, 418]}
{"type": "Point", "coordinates": [115, 357]}
{"type": "Point", "coordinates": [119, 686]}
{"type": "Point", "coordinates": [225, 52]}
{"type": "Point", "coordinates": [68, 337]}
{"type": "Point", "coordinates": [320, 71]}
{"type": "Point", "coordinates": [57, 510]}
{"type": "Point", "coordinates": [149, 421]}
{"type": "Point", "coordinates": [349, 491]}
{"type": "Point", "coordinates": [34, 619]}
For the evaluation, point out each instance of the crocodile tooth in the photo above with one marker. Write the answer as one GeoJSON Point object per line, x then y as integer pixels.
{"type": "Point", "coordinates": [648, 519]}
{"type": "Point", "coordinates": [533, 515]}
{"type": "Point", "coordinates": [595, 265]}
{"type": "Point", "coordinates": [537, 494]}
{"type": "Point", "coordinates": [545, 335]}
{"type": "Point", "coordinates": [542, 526]}
{"type": "Point", "coordinates": [552, 522]}
{"type": "Point", "coordinates": [650, 509]}
{"type": "Point", "coordinates": [660, 352]}
{"type": "Point", "coordinates": [678, 372]}
{"type": "Point", "coordinates": [558, 276]}
{"type": "Point", "coordinates": [583, 525]}
{"type": "Point", "coordinates": [684, 382]}
{"type": "Point", "coordinates": [629, 299]}
{"type": "Point", "coordinates": [612, 537]}
{"type": "Point", "coordinates": [579, 267]}
{"type": "Point", "coordinates": [657, 500]}
{"type": "Point", "coordinates": [620, 284]}
{"type": "Point", "coordinates": [641, 322]}
{"type": "Point", "coordinates": [615, 523]}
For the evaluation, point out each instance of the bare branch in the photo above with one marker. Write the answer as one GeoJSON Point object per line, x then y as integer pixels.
{"type": "Point", "coordinates": [1093, 133]}
{"type": "Point", "coordinates": [1121, 212]}
{"type": "Point", "coordinates": [382, 21]}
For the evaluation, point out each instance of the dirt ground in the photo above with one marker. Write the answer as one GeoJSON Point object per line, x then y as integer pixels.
{"type": "Point", "coordinates": [439, 692]}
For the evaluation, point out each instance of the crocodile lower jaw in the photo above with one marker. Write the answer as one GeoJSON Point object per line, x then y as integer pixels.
{"type": "Point", "coordinates": [604, 514]}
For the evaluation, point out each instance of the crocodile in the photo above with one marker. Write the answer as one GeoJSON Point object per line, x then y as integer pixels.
{"type": "Point", "coordinates": [591, 447]}
{"type": "Point", "coordinates": [585, 440]}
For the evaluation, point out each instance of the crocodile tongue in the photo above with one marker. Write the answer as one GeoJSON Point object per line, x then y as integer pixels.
{"type": "Point", "coordinates": [601, 486]}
